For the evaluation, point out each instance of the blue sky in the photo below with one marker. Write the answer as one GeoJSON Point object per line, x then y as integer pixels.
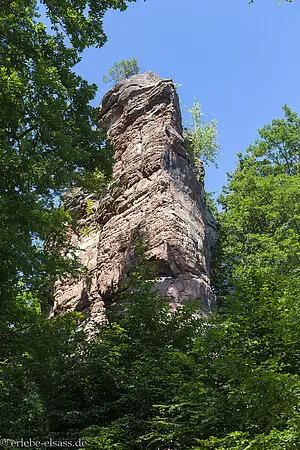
{"type": "Point", "coordinates": [240, 61]}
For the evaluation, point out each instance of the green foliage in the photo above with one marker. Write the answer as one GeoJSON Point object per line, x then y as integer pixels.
{"type": "Point", "coordinates": [149, 377]}
{"type": "Point", "coordinates": [48, 136]}
{"type": "Point", "coordinates": [104, 388]}
{"type": "Point", "coordinates": [92, 179]}
{"type": "Point", "coordinates": [261, 213]}
{"type": "Point", "coordinates": [33, 363]}
{"type": "Point", "coordinates": [201, 139]}
{"type": "Point", "coordinates": [235, 377]}
{"type": "Point", "coordinates": [149, 342]}
{"type": "Point", "coordinates": [121, 70]}
{"type": "Point", "coordinates": [93, 182]}
{"type": "Point", "coordinates": [259, 270]}
{"type": "Point", "coordinates": [257, 276]}
{"type": "Point", "coordinates": [275, 440]}
{"type": "Point", "coordinates": [48, 142]}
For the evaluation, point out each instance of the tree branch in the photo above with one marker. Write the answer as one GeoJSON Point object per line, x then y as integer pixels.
{"type": "Point", "coordinates": [18, 138]}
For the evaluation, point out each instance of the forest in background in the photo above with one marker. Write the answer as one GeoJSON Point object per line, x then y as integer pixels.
{"type": "Point", "coordinates": [150, 378]}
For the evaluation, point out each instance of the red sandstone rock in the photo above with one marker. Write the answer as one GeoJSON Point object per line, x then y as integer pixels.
{"type": "Point", "coordinates": [155, 196]}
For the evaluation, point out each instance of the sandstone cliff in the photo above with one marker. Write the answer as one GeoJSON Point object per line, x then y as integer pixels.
{"type": "Point", "coordinates": [154, 196]}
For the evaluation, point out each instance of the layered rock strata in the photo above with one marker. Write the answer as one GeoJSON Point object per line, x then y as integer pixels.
{"type": "Point", "coordinates": [155, 196]}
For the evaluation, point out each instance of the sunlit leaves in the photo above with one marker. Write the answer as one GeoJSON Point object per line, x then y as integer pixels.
{"type": "Point", "coordinates": [201, 138]}
{"type": "Point", "coordinates": [121, 70]}
{"type": "Point", "coordinates": [48, 130]}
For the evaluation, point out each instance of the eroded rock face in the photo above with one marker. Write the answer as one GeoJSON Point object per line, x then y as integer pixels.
{"type": "Point", "coordinates": [155, 196]}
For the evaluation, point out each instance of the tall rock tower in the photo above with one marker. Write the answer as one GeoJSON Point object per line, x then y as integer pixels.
{"type": "Point", "coordinates": [154, 196]}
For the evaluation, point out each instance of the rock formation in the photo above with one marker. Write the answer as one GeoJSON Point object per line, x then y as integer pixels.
{"type": "Point", "coordinates": [154, 196]}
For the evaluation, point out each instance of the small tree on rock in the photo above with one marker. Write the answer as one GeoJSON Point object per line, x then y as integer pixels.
{"type": "Point", "coordinates": [201, 140]}
{"type": "Point", "coordinates": [121, 70]}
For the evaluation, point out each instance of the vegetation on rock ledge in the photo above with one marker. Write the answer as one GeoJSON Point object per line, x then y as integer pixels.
{"type": "Point", "coordinates": [126, 68]}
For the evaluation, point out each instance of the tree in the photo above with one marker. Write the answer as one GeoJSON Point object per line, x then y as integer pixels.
{"type": "Point", "coordinates": [67, 385]}
{"type": "Point", "coordinates": [259, 272]}
{"type": "Point", "coordinates": [149, 345]}
{"type": "Point", "coordinates": [257, 280]}
{"type": "Point", "coordinates": [47, 131]}
{"type": "Point", "coordinates": [48, 142]}
{"type": "Point", "coordinates": [150, 378]}
{"type": "Point", "coordinates": [121, 70]}
{"type": "Point", "coordinates": [244, 387]}
{"type": "Point", "coordinates": [260, 218]}
{"type": "Point", "coordinates": [201, 140]}
{"type": "Point", "coordinates": [244, 383]}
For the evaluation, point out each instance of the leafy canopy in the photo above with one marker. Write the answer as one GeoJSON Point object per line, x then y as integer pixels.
{"type": "Point", "coordinates": [48, 136]}
{"type": "Point", "coordinates": [48, 142]}
{"type": "Point", "coordinates": [121, 70]}
{"type": "Point", "coordinates": [201, 138]}
{"type": "Point", "coordinates": [149, 378]}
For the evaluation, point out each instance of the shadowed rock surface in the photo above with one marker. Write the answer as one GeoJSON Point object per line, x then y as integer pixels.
{"type": "Point", "coordinates": [154, 196]}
